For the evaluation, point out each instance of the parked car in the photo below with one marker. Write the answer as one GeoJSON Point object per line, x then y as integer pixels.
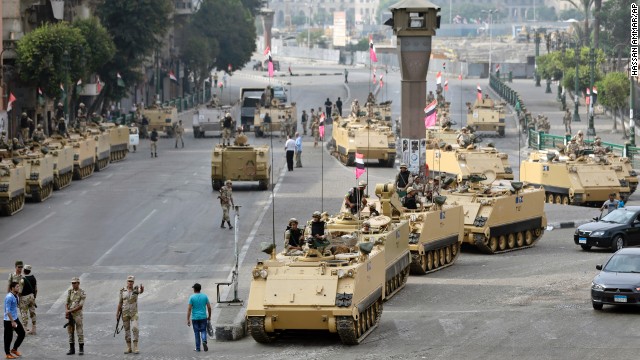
{"type": "Point", "coordinates": [620, 228]}
{"type": "Point", "coordinates": [618, 282]}
{"type": "Point", "coordinates": [280, 93]}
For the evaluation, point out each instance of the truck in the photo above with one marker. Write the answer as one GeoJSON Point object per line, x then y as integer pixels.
{"type": "Point", "coordinates": [249, 101]}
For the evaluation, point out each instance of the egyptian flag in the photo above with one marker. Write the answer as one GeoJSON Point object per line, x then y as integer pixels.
{"type": "Point", "coordinates": [98, 85]}
{"type": "Point", "coordinates": [12, 99]}
{"type": "Point", "coordinates": [446, 85]}
{"type": "Point", "coordinates": [267, 53]}
{"type": "Point", "coordinates": [479, 93]}
{"type": "Point", "coordinates": [439, 78]}
{"type": "Point", "coordinates": [321, 127]}
{"type": "Point", "coordinates": [172, 76]}
{"type": "Point", "coordinates": [79, 86]}
{"type": "Point", "coordinates": [588, 97]}
{"type": "Point", "coordinates": [374, 76]}
{"type": "Point", "coordinates": [381, 82]}
{"type": "Point", "coordinates": [359, 165]}
{"type": "Point", "coordinates": [497, 68]}
{"type": "Point", "coordinates": [594, 95]}
{"type": "Point", "coordinates": [372, 50]}
{"type": "Point", "coordinates": [430, 114]}
{"type": "Point", "coordinates": [460, 77]}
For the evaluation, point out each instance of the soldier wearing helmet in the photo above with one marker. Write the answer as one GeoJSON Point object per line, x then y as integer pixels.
{"type": "Point", "coordinates": [5, 144]}
{"type": "Point", "coordinates": [293, 236]}
{"type": "Point", "coordinates": [464, 139]}
{"type": "Point", "coordinates": [355, 199]}
{"type": "Point", "coordinates": [25, 125]}
{"type": "Point", "coordinates": [318, 236]}
{"type": "Point", "coordinates": [366, 227]}
{"type": "Point", "coordinates": [355, 108]}
{"type": "Point", "coordinates": [411, 201]}
{"type": "Point", "coordinates": [404, 179]}
{"type": "Point", "coordinates": [227, 126]}
{"type": "Point", "coordinates": [579, 138]}
{"type": "Point", "coordinates": [226, 202]}
{"type": "Point", "coordinates": [38, 135]}
{"type": "Point", "coordinates": [81, 118]}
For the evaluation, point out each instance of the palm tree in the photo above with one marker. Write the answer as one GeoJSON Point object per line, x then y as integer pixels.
{"type": "Point", "coordinates": [585, 7]}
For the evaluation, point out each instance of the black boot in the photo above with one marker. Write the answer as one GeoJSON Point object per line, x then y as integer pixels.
{"type": "Point", "coordinates": [230, 227]}
{"type": "Point", "coordinates": [72, 349]}
{"type": "Point", "coordinates": [156, 154]}
{"type": "Point", "coordinates": [222, 224]}
{"type": "Point", "coordinates": [81, 351]}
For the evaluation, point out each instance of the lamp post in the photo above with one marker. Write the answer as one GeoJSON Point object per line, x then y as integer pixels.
{"type": "Point", "coordinates": [591, 130]}
{"type": "Point", "coordinates": [537, 42]}
{"type": "Point", "coordinates": [66, 67]}
{"type": "Point", "coordinates": [309, 29]}
{"type": "Point", "coordinates": [576, 84]}
{"type": "Point", "coordinates": [490, 13]}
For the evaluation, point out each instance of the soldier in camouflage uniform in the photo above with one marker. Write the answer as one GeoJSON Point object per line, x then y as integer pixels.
{"type": "Point", "coordinates": [5, 143]}
{"type": "Point", "coordinates": [315, 131]}
{"type": "Point", "coordinates": [17, 276]}
{"type": "Point", "coordinates": [81, 119]}
{"type": "Point", "coordinates": [598, 149]}
{"type": "Point", "coordinates": [28, 300]}
{"type": "Point", "coordinates": [566, 120]}
{"type": "Point", "coordinates": [74, 304]}
{"type": "Point", "coordinates": [285, 128]}
{"type": "Point", "coordinates": [226, 201]}
{"type": "Point", "coordinates": [128, 309]}
{"type": "Point", "coordinates": [38, 135]}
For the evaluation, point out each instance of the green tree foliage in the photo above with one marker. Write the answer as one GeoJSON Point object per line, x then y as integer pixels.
{"type": "Point", "coordinates": [584, 6]}
{"type": "Point", "coordinates": [550, 66]}
{"type": "Point", "coordinates": [100, 48]}
{"type": "Point", "coordinates": [198, 53]}
{"type": "Point", "coordinates": [613, 93]}
{"type": "Point", "coordinates": [137, 28]}
{"type": "Point", "coordinates": [571, 13]}
{"type": "Point", "coordinates": [41, 59]}
{"type": "Point", "coordinates": [253, 6]}
{"type": "Point", "coordinates": [615, 14]}
{"type": "Point", "coordinates": [584, 69]}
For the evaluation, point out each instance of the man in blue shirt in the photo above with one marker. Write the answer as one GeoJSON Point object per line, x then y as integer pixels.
{"type": "Point", "coordinates": [197, 314]}
{"type": "Point", "coordinates": [298, 150]}
{"type": "Point", "coordinates": [12, 322]}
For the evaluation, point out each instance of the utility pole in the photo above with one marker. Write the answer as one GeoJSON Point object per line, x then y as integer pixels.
{"type": "Point", "coordinates": [591, 130]}
{"type": "Point", "coordinates": [632, 125]}
{"type": "Point", "coordinates": [576, 84]}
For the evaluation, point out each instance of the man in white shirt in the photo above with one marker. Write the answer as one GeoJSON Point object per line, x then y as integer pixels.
{"type": "Point", "coordinates": [290, 148]}
{"type": "Point", "coordinates": [298, 150]}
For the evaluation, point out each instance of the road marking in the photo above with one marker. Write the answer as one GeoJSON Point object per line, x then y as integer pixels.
{"type": "Point", "coordinates": [83, 192]}
{"type": "Point", "coordinates": [109, 176]}
{"type": "Point", "coordinates": [165, 201]}
{"type": "Point", "coordinates": [98, 183]}
{"type": "Point", "coordinates": [195, 174]}
{"type": "Point", "coordinates": [68, 202]}
{"type": "Point", "coordinates": [186, 182]}
{"type": "Point", "coordinates": [30, 226]}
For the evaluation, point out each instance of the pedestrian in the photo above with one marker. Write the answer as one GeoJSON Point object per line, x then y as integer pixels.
{"type": "Point", "coordinates": [315, 131]}
{"type": "Point", "coordinates": [304, 120]}
{"type": "Point", "coordinates": [327, 107]}
{"type": "Point", "coordinates": [179, 133]}
{"type": "Point", "coordinates": [17, 276]}
{"type": "Point", "coordinates": [28, 300]}
{"type": "Point", "coordinates": [73, 306]}
{"type": "Point", "coordinates": [610, 204]}
{"type": "Point", "coordinates": [339, 106]}
{"type": "Point", "coordinates": [197, 314]}
{"type": "Point", "coordinates": [298, 150]}
{"type": "Point", "coordinates": [346, 76]}
{"type": "Point", "coordinates": [226, 201]}
{"type": "Point", "coordinates": [128, 309]}
{"type": "Point", "coordinates": [154, 143]}
{"type": "Point", "coordinates": [290, 149]}
{"type": "Point", "coordinates": [12, 323]}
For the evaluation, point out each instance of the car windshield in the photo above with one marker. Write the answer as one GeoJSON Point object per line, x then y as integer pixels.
{"type": "Point", "coordinates": [629, 263]}
{"type": "Point", "coordinates": [619, 216]}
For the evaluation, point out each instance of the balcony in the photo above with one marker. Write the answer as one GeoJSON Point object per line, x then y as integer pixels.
{"type": "Point", "coordinates": [183, 7]}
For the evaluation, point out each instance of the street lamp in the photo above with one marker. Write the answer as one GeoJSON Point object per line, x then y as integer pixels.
{"type": "Point", "coordinates": [576, 83]}
{"type": "Point", "coordinates": [591, 130]}
{"type": "Point", "coordinates": [309, 28]}
{"type": "Point", "coordinates": [537, 42]}
{"type": "Point", "coordinates": [490, 12]}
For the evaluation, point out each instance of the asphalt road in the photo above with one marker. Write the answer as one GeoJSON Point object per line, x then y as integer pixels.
{"type": "Point", "coordinates": [158, 219]}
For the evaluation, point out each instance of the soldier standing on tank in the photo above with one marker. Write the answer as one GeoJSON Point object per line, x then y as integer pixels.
{"type": "Point", "coordinates": [598, 149]}
{"type": "Point", "coordinates": [179, 133]}
{"type": "Point", "coordinates": [154, 143]}
{"type": "Point", "coordinates": [73, 306]}
{"type": "Point", "coordinates": [226, 202]}
{"type": "Point", "coordinates": [128, 309]}
{"type": "Point", "coordinates": [579, 138]}
{"type": "Point", "coordinates": [38, 135]}
{"type": "Point", "coordinates": [227, 124]}
{"type": "Point", "coordinates": [355, 199]}
{"type": "Point", "coordinates": [327, 107]}
{"type": "Point", "coordinates": [81, 119]}
{"type": "Point", "coordinates": [463, 138]}
{"type": "Point", "coordinates": [28, 300]}
{"type": "Point", "coordinates": [572, 148]}
{"type": "Point", "coordinates": [430, 97]}
{"type": "Point", "coordinates": [24, 126]}
{"type": "Point", "coordinates": [339, 106]}
{"type": "Point", "coordinates": [404, 179]}
{"type": "Point", "coordinates": [355, 108]}
{"type": "Point", "coordinates": [303, 121]}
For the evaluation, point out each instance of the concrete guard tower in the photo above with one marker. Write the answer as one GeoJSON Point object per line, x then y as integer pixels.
{"type": "Point", "coordinates": [267, 25]}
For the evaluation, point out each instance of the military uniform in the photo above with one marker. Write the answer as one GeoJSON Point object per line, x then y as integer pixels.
{"type": "Point", "coordinates": [25, 123]}
{"type": "Point", "coordinates": [464, 139]}
{"type": "Point", "coordinates": [579, 138]}
{"type": "Point", "coordinates": [179, 133]}
{"type": "Point", "coordinates": [82, 118]}
{"type": "Point", "coordinates": [38, 135]}
{"type": "Point", "coordinates": [355, 108]}
{"type": "Point", "coordinates": [128, 306]}
{"type": "Point", "coordinates": [5, 144]}
{"type": "Point", "coordinates": [315, 130]}
{"type": "Point", "coordinates": [75, 299]}
{"type": "Point", "coordinates": [304, 120]}
{"type": "Point", "coordinates": [566, 120]}
{"type": "Point", "coordinates": [572, 148]}
{"type": "Point", "coordinates": [226, 201]}
{"type": "Point", "coordinates": [13, 277]}
{"type": "Point", "coordinates": [227, 124]}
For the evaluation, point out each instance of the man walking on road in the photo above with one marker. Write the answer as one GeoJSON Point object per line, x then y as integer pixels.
{"type": "Point", "coordinates": [179, 133]}
{"type": "Point", "coordinates": [346, 76]}
{"type": "Point", "coordinates": [28, 299]}
{"type": "Point", "coordinates": [298, 150]}
{"type": "Point", "coordinates": [197, 314]}
{"type": "Point", "coordinates": [154, 143]}
{"type": "Point", "coordinates": [128, 309]}
{"type": "Point", "coordinates": [304, 120]}
{"type": "Point", "coordinates": [12, 323]}
{"type": "Point", "coordinates": [290, 148]}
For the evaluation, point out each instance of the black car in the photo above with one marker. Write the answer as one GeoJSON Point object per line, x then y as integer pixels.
{"type": "Point", "coordinates": [618, 282]}
{"type": "Point", "coordinates": [620, 228]}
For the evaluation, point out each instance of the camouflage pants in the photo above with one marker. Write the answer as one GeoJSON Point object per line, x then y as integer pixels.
{"type": "Point", "coordinates": [76, 328]}
{"type": "Point", "coordinates": [130, 323]}
{"type": "Point", "coordinates": [304, 127]}
{"type": "Point", "coordinates": [225, 212]}
{"type": "Point", "coordinates": [28, 308]}
{"type": "Point", "coordinates": [154, 147]}
{"type": "Point", "coordinates": [226, 135]}
{"type": "Point", "coordinates": [25, 134]}
{"type": "Point", "coordinates": [179, 138]}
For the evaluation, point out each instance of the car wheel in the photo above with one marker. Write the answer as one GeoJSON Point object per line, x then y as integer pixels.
{"type": "Point", "coordinates": [585, 247]}
{"type": "Point", "coordinates": [597, 306]}
{"type": "Point", "coordinates": [617, 243]}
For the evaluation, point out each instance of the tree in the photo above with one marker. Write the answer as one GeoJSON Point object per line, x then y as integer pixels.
{"type": "Point", "coordinates": [100, 47]}
{"type": "Point", "coordinates": [583, 6]}
{"type": "Point", "coordinates": [198, 53]}
{"type": "Point", "coordinates": [550, 66]}
{"type": "Point", "coordinates": [253, 6]}
{"type": "Point", "coordinates": [613, 93]}
{"type": "Point", "coordinates": [42, 61]}
{"type": "Point", "coordinates": [616, 34]}
{"type": "Point", "coordinates": [584, 69]}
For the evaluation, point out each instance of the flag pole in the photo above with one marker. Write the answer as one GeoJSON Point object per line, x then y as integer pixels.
{"type": "Point", "coordinates": [273, 199]}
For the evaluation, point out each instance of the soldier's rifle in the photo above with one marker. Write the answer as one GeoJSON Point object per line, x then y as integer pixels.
{"type": "Point", "coordinates": [118, 327]}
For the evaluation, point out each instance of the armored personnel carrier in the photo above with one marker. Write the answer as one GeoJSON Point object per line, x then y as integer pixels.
{"type": "Point", "coordinates": [209, 119]}
{"type": "Point", "coordinates": [623, 167]}
{"type": "Point", "coordinates": [63, 155]}
{"type": "Point", "coordinates": [485, 115]}
{"type": "Point", "coordinates": [162, 119]}
{"type": "Point", "coordinates": [118, 140]}
{"type": "Point", "coordinates": [278, 113]}
{"type": "Point", "coordinates": [572, 182]}
{"type": "Point", "coordinates": [84, 150]}
{"type": "Point", "coordinates": [103, 146]}
{"type": "Point", "coordinates": [460, 163]}
{"type": "Point", "coordinates": [38, 167]}
{"type": "Point", "coordinates": [380, 112]}
{"type": "Point", "coordinates": [240, 162]}
{"type": "Point", "coordinates": [373, 140]}
{"type": "Point", "coordinates": [12, 184]}
{"type": "Point", "coordinates": [341, 293]}
{"type": "Point", "coordinates": [500, 216]}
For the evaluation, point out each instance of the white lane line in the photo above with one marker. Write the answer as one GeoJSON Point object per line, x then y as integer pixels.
{"type": "Point", "coordinates": [165, 201]}
{"type": "Point", "coordinates": [195, 174]}
{"type": "Point", "coordinates": [31, 226]}
{"type": "Point", "coordinates": [109, 176]}
{"type": "Point", "coordinates": [55, 308]}
{"type": "Point", "coordinates": [97, 183]}
{"type": "Point", "coordinates": [186, 182]}
{"type": "Point", "coordinates": [83, 192]}
{"type": "Point", "coordinates": [68, 202]}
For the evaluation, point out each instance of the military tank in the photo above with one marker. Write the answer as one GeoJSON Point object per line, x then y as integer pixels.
{"type": "Point", "coordinates": [572, 181]}
{"type": "Point", "coordinates": [83, 155]}
{"type": "Point", "coordinates": [359, 135]}
{"type": "Point", "coordinates": [12, 185]}
{"type": "Point", "coordinates": [38, 166]}
{"type": "Point", "coordinates": [485, 115]}
{"type": "Point", "coordinates": [63, 155]}
{"type": "Point", "coordinates": [240, 162]}
{"type": "Point", "coordinates": [118, 140]}
{"type": "Point", "coordinates": [623, 167]}
{"type": "Point", "coordinates": [103, 146]}
{"type": "Point", "coordinates": [278, 113]}
{"type": "Point", "coordinates": [161, 119]}
{"type": "Point", "coordinates": [499, 216]}
{"type": "Point", "coordinates": [380, 112]}
{"type": "Point", "coordinates": [459, 163]}
{"type": "Point", "coordinates": [341, 293]}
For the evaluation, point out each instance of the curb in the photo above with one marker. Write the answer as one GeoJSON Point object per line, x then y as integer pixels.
{"type": "Point", "coordinates": [231, 332]}
{"type": "Point", "coordinates": [567, 224]}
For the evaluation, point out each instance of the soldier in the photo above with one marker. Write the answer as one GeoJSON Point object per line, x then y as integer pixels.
{"type": "Point", "coordinates": [285, 128]}
{"type": "Point", "coordinates": [366, 227]}
{"type": "Point", "coordinates": [355, 108]}
{"type": "Point", "coordinates": [318, 235]}
{"type": "Point", "coordinates": [28, 299]}
{"type": "Point", "coordinates": [227, 124]}
{"type": "Point", "coordinates": [404, 179]}
{"type": "Point", "coordinates": [215, 80]}
{"type": "Point", "coordinates": [430, 97]}
{"type": "Point", "coordinates": [128, 309]}
{"type": "Point", "coordinates": [154, 143]}
{"type": "Point", "coordinates": [24, 126]}
{"type": "Point", "coordinates": [355, 199]}
{"type": "Point", "coordinates": [16, 145]}
{"type": "Point", "coordinates": [38, 135]}
{"type": "Point", "coordinates": [411, 201]}
{"type": "Point", "coordinates": [339, 106]}
{"type": "Point", "coordinates": [463, 138]}
{"type": "Point", "coordinates": [371, 100]}
{"type": "Point", "coordinates": [241, 139]}
{"type": "Point", "coordinates": [572, 148]}
{"type": "Point", "coordinates": [74, 305]}
{"type": "Point", "coordinates": [315, 131]}
{"type": "Point", "coordinates": [598, 149]}
{"type": "Point", "coordinates": [304, 120]}
{"type": "Point", "coordinates": [293, 237]}
{"type": "Point", "coordinates": [179, 133]}
{"type": "Point", "coordinates": [82, 118]}
{"type": "Point", "coordinates": [417, 185]}
{"type": "Point", "coordinates": [226, 201]}
{"type": "Point", "coordinates": [17, 276]}
{"type": "Point", "coordinates": [5, 144]}
{"type": "Point", "coordinates": [579, 138]}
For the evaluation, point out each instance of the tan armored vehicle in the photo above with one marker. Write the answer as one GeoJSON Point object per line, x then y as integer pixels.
{"type": "Point", "coordinates": [374, 141]}
{"type": "Point", "coordinates": [38, 167]}
{"type": "Point", "coordinates": [278, 113]}
{"type": "Point", "coordinates": [460, 163]}
{"type": "Point", "coordinates": [572, 182]}
{"type": "Point", "coordinates": [103, 146]}
{"type": "Point", "coordinates": [500, 217]}
{"type": "Point", "coordinates": [240, 162]}
{"type": "Point", "coordinates": [162, 119]}
{"type": "Point", "coordinates": [623, 167]}
{"type": "Point", "coordinates": [380, 112]}
{"type": "Point", "coordinates": [118, 140]}
{"type": "Point", "coordinates": [341, 293]}
{"type": "Point", "coordinates": [12, 185]}
{"type": "Point", "coordinates": [63, 155]}
{"type": "Point", "coordinates": [485, 115]}
{"type": "Point", "coordinates": [84, 150]}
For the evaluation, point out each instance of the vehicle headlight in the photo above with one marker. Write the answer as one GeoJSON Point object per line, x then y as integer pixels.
{"type": "Point", "coordinates": [576, 232]}
{"type": "Point", "coordinates": [76, 157]}
{"type": "Point", "coordinates": [598, 233]}
{"type": "Point", "coordinates": [4, 187]}
{"type": "Point", "coordinates": [341, 273]}
{"type": "Point", "coordinates": [263, 273]}
{"type": "Point", "coordinates": [597, 287]}
{"type": "Point", "coordinates": [34, 176]}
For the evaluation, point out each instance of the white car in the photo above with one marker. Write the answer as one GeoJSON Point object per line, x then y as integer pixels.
{"type": "Point", "coordinates": [280, 93]}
